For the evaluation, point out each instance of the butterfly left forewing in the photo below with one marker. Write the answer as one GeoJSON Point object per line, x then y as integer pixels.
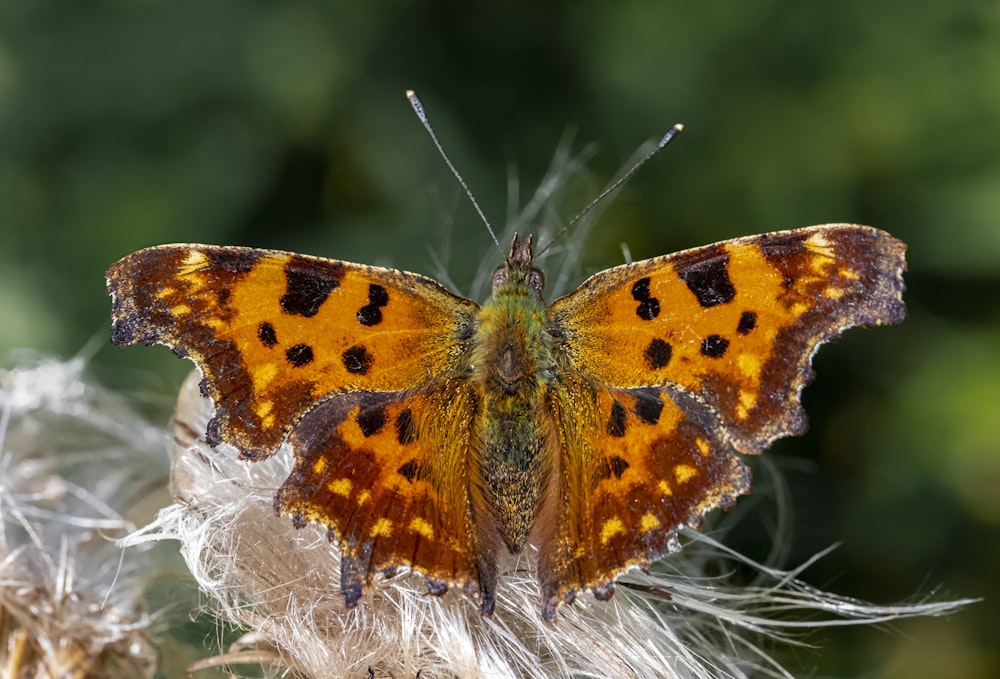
{"type": "Point", "coordinates": [274, 333]}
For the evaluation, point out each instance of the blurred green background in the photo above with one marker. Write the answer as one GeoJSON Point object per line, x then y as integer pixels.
{"type": "Point", "coordinates": [131, 123]}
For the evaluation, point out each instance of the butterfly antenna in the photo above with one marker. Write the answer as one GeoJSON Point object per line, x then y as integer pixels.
{"type": "Point", "coordinates": [418, 108]}
{"type": "Point", "coordinates": [671, 133]}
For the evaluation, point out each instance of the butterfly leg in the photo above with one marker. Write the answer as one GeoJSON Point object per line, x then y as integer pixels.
{"type": "Point", "coordinates": [487, 556]}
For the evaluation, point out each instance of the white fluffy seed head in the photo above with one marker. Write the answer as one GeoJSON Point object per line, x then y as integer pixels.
{"type": "Point", "coordinates": [72, 459]}
{"type": "Point", "coordinates": [262, 574]}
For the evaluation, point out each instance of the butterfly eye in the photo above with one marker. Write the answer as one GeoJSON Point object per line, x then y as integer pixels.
{"type": "Point", "coordinates": [536, 281]}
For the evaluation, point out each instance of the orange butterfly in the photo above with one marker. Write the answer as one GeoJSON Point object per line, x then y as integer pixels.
{"type": "Point", "coordinates": [433, 433]}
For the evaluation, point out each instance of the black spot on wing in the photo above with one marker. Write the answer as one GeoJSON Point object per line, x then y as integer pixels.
{"type": "Point", "coordinates": [371, 420]}
{"type": "Point", "coordinates": [617, 465]}
{"type": "Point", "coordinates": [308, 284]}
{"type": "Point", "coordinates": [409, 470]}
{"type": "Point", "coordinates": [748, 321]}
{"type": "Point", "coordinates": [714, 346]}
{"type": "Point", "coordinates": [658, 354]}
{"type": "Point", "coordinates": [266, 334]}
{"type": "Point", "coordinates": [648, 408]}
{"type": "Point", "coordinates": [707, 277]}
{"type": "Point", "coordinates": [299, 355]}
{"type": "Point", "coordinates": [357, 360]}
{"type": "Point", "coordinates": [371, 313]}
{"type": "Point", "coordinates": [649, 307]}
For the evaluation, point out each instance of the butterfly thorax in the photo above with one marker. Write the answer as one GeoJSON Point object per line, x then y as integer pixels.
{"type": "Point", "coordinates": [512, 362]}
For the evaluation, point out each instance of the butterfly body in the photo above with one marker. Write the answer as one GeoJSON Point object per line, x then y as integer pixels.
{"type": "Point", "coordinates": [513, 368]}
{"type": "Point", "coordinates": [435, 434]}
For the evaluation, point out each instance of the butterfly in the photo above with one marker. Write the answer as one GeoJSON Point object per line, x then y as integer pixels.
{"type": "Point", "coordinates": [435, 434]}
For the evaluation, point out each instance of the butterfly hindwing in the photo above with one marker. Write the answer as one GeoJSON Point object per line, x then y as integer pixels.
{"type": "Point", "coordinates": [637, 464]}
{"type": "Point", "coordinates": [274, 332]}
{"type": "Point", "coordinates": [735, 324]}
{"type": "Point", "coordinates": [389, 477]}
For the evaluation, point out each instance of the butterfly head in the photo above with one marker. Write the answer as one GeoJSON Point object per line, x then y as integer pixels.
{"type": "Point", "coordinates": [520, 270]}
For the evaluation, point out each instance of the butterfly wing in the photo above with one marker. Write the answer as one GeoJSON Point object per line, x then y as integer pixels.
{"type": "Point", "coordinates": [716, 342]}
{"type": "Point", "coordinates": [274, 333]}
{"type": "Point", "coordinates": [389, 476]}
{"type": "Point", "coordinates": [352, 364]}
{"type": "Point", "coordinates": [735, 324]}
{"type": "Point", "coordinates": [636, 464]}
